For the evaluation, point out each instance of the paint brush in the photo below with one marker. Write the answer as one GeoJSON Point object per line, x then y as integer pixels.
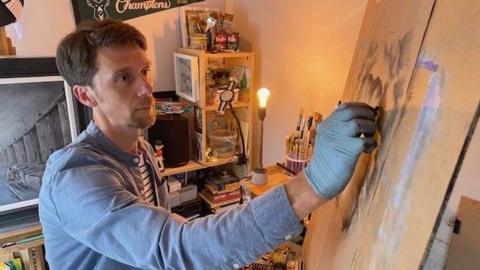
{"type": "Point", "coordinates": [299, 121]}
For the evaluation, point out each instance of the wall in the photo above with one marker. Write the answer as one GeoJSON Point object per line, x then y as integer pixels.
{"type": "Point", "coordinates": [302, 54]}
{"type": "Point", "coordinates": [44, 23]}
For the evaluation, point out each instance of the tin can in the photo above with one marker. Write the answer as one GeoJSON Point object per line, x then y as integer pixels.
{"type": "Point", "coordinates": [234, 41]}
{"type": "Point", "coordinates": [221, 41]}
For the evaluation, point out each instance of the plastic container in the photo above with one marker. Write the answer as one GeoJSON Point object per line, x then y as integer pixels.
{"type": "Point", "coordinates": [222, 142]}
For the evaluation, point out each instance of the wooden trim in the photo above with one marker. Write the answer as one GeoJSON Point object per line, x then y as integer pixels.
{"type": "Point", "coordinates": [4, 49]}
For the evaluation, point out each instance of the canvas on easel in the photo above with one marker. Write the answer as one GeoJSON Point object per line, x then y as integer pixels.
{"type": "Point", "coordinates": [417, 60]}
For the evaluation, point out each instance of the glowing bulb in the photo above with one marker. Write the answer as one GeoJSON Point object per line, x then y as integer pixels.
{"type": "Point", "coordinates": [263, 95]}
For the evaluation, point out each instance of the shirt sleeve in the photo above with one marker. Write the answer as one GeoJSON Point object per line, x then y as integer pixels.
{"type": "Point", "coordinates": [94, 208]}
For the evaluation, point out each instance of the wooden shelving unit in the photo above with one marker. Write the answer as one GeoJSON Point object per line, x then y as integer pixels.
{"type": "Point", "coordinates": [30, 252]}
{"type": "Point", "coordinates": [193, 166]}
{"type": "Point", "coordinates": [234, 105]}
{"type": "Point", "coordinates": [205, 111]}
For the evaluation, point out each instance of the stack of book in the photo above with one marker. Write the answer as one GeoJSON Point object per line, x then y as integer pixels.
{"type": "Point", "coordinates": [221, 193]}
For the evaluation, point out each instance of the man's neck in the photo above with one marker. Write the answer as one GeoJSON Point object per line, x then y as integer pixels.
{"type": "Point", "coordinates": [125, 138]}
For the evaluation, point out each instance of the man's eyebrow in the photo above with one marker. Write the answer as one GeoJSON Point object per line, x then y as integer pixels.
{"type": "Point", "coordinates": [121, 71]}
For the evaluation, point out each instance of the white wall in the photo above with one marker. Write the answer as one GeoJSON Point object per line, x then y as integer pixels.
{"type": "Point", "coordinates": [44, 23]}
{"type": "Point", "coordinates": [303, 52]}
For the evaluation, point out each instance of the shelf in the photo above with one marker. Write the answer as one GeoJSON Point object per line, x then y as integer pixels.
{"type": "Point", "coordinates": [228, 54]}
{"type": "Point", "coordinates": [193, 166]}
{"type": "Point", "coordinates": [240, 63]}
{"type": "Point", "coordinates": [19, 234]}
{"type": "Point", "coordinates": [234, 105]}
{"type": "Point", "coordinates": [273, 180]}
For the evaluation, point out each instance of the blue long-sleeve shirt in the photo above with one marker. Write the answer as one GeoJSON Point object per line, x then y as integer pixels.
{"type": "Point", "coordinates": [93, 216]}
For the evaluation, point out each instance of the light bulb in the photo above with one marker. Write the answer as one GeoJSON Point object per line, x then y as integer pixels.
{"type": "Point", "coordinates": [263, 94]}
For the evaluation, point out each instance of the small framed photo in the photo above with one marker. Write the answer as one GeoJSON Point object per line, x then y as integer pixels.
{"type": "Point", "coordinates": [186, 76]}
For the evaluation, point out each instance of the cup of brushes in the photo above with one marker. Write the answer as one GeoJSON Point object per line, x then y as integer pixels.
{"type": "Point", "coordinates": [299, 145]}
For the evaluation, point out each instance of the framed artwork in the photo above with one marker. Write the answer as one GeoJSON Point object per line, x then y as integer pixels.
{"type": "Point", "coordinates": [38, 115]}
{"type": "Point", "coordinates": [193, 21]}
{"type": "Point", "coordinates": [186, 76]}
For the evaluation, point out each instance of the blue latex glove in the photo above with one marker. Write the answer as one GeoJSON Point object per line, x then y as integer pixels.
{"type": "Point", "coordinates": [338, 145]}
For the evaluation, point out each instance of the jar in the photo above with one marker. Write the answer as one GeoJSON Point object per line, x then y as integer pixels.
{"type": "Point", "coordinates": [209, 81]}
{"type": "Point", "coordinates": [222, 78]}
{"type": "Point", "coordinates": [222, 143]}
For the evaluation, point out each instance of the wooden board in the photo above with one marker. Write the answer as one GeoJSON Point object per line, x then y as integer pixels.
{"type": "Point", "coordinates": [273, 180]}
{"type": "Point", "coordinates": [465, 247]}
{"type": "Point", "coordinates": [4, 50]}
{"type": "Point", "coordinates": [385, 217]}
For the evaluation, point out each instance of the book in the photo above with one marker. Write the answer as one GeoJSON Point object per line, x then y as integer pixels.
{"type": "Point", "coordinates": [224, 208]}
{"type": "Point", "coordinates": [204, 195]}
{"type": "Point", "coordinates": [221, 197]}
{"type": "Point", "coordinates": [215, 189]}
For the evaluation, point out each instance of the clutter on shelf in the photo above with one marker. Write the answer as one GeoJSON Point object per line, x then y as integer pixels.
{"type": "Point", "coordinates": [209, 29]}
{"type": "Point", "coordinates": [163, 107]}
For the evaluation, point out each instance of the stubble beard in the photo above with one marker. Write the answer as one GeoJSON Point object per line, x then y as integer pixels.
{"type": "Point", "coordinates": [143, 119]}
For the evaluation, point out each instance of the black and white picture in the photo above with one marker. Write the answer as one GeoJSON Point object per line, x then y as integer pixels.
{"type": "Point", "coordinates": [36, 119]}
{"type": "Point", "coordinates": [186, 76]}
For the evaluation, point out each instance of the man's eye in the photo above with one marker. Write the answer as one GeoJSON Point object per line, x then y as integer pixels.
{"type": "Point", "coordinates": [145, 71]}
{"type": "Point", "coordinates": [122, 77]}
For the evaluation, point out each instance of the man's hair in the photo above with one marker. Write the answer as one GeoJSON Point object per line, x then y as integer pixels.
{"type": "Point", "coordinates": [77, 52]}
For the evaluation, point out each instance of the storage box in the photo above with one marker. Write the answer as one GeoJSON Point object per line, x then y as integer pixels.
{"type": "Point", "coordinates": [188, 193]}
{"type": "Point", "coordinates": [174, 185]}
{"type": "Point", "coordinates": [174, 198]}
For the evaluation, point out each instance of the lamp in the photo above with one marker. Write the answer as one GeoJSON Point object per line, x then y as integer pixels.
{"type": "Point", "coordinates": [259, 175]}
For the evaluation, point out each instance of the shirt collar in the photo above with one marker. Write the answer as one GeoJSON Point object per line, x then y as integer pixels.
{"type": "Point", "coordinates": [106, 145]}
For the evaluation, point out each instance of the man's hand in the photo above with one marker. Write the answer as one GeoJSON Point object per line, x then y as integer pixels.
{"type": "Point", "coordinates": [340, 140]}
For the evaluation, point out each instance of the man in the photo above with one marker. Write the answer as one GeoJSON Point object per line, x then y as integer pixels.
{"type": "Point", "coordinates": [102, 205]}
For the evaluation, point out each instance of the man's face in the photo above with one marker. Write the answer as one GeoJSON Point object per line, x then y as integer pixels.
{"type": "Point", "coordinates": [123, 87]}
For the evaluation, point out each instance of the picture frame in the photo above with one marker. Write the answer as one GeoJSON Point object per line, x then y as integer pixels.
{"type": "Point", "coordinates": [186, 76]}
{"type": "Point", "coordinates": [191, 17]}
{"type": "Point", "coordinates": [38, 115]}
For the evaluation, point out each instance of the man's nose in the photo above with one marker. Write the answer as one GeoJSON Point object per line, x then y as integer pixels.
{"type": "Point", "coordinates": [145, 87]}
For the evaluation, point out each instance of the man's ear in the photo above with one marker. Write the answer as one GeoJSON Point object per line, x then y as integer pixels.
{"type": "Point", "coordinates": [85, 95]}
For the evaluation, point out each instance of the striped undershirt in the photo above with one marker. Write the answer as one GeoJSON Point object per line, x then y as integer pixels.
{"type": "Point", "coordinates": [148, 190]}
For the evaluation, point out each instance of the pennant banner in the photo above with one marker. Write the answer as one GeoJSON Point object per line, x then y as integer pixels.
{"type": "Point", "coordinates": [121, 9]}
